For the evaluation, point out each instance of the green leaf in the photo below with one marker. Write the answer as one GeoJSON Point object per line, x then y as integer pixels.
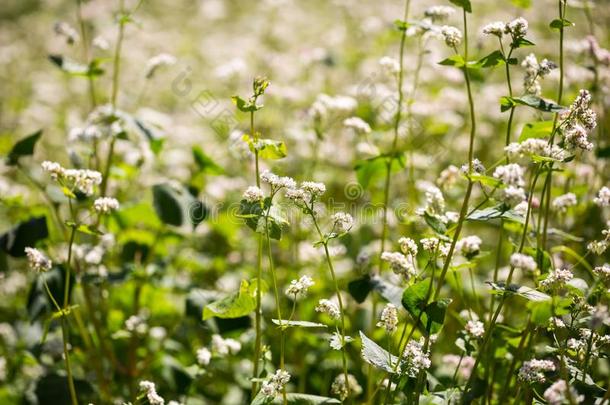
{"type": "Point", "coordinates": [235, 305]}
{"type": "Point", "coordinates": [204, 162]}
{"type": "Point", "coordinates": [39, 302]}
{"type": "Point", "coordinates": [401, 25]}
{"type": "Point", "coordinates": [155, 142]}
{"type": "Point", "coordinates": [172, 204]}
{"type": "Point", "coordinates": [245, 106]}
{"type": "Point", "coordinates": [360, 288]}
{"type": "Point", "coordinates": [521, 42]}
{"type": "Point", "coordinates": [435, 223]}
{"type": "Point", "coordinates": [531, 294]}
{"type": "Point", "coordinates": [414, 298]}
{"type": "Point", "coordinates": [486, 214]}
{"type": "Point", "coordinates": [542, 311]}
{"type": "Point", "coordinates": [492, 60]}
{"type": "Point", "coordinates": [485, 180]}
{"type": "Point", "coordinates": [23, 147]}
{"type": "Point", "coordinates": [371, 168]}
{"type": "Point", "coordinates": [522, 3]}
{"type": "Point", "coordinates": [559, 24]}
{"type": "Point", "coordinates": [75, 68]}
{"type": "Point", "coordinates": [294, 399]}
{"type": "Point", "coordinates": [539, 129]}
{"type": "Point", "coordinates": [301, 324]}
{"type": "Point", "coordinates": [530, 101]}
{"type": "Point", "coordinates": [465, 4]}
{"type": "Point", "coordinates": [84, 228]}
{"type": "Point", "coordinates": [455, 60]}
{"type": "Point", "coordinates": [267, 148]}
{"type": "Point", "coordinates": [434, 316]}
{"type": "Point", "coordinates": [24, 234]}
{"type": "Point", "coordinates": [375, 355]}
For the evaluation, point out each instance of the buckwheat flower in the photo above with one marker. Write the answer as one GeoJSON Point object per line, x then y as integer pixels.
{"type": "Point", "coordinates": [53, 168]}
{"type": "Point", "coordinates": [358, 125]}
{"type": "Point", "coordinates": [465, 363]}
{"type": "Point", "coordinates": [299, 287]}
{"type": "Point", "coordinates": [532, 371]}
{"type": "Point", "coordinates": [269, 178]}
{"type": "Point", "coordinates": [154, 63]}
{"type": "Point", "coordinates": [408, 246]}
{"type": "Point", "coordinates": [556, 323]}
{"type": "Point", "coordinates": [389, 318]}
{"type": "Point", "coordinates": [275, 383]}
{"type": "Point", "coordinates": [389, 65]}
{"type": "Point", "coordinates": [399, 263]}
{"type": "Point", "coordinates": [101, 43]}
{"type": "Point", "coordinates": [439, 13]}
{"type": "Point", "coordinates": [337, 341]}
{"type": "Point", "coordinates": [253, 194]}
{"type": "Point", "coordinates": [136, 324]}
{"type": "Point", "coordinates": [521, 208]}
{"type": "Point", "coordinates": [83, 180]}
{"type": "Point", "coordinates": [576, 136]}
{"type": "Point", "coordinates": [451, 35]}
{"type": "Point", "coordinates": [312, 188]}
{"type": "Point", "coordinates": [328, 307]}
{"type": "Point", "coordinates": [557, 278]}
{"type": "Point", "coordinates": [603, 197]}
{"type": "Point", "coordinates": [448, 177]}
{"type": "Point", "coordinates": [65, 30]}
{"type": "Point", "coordinates": [104, 205]}
{"type": "Point", "coordinates": [475, 328]}
{"type": "Point", "coordinates": [224, 347]}
{"type": "Point", "coordinates": [597, 247]}
{"type": "Point", "coordinates": [342, 388]}
{"type": "Point", "coordinates": [512, 195]}
{"type": "Point", "coordinates": [510, 174]}
{"type": "Point", "coordinates": [562, 202]}
{"type": "Point", "coordinates": [342, 222]}
{"type": "Point", "coordinates": [603, 272]}
{"type": "Point", "coordinates": [435, 202]}
{"type": "Point", "coordinates": [429, 244]}
{"type": "Point", "coordinates": [560, 393]}
{"type": "Point", "coordinates": [37, 260]}
{"type": "Point", "coordinates": [415, 358]}
{"type": "Point", "coordinates": [297, 195]}
{"type": "Point", "coordinates": [203, 356]}
{"type": "Point", "coordinates": [545, 67]}
{"type": "Point", "coordinates": [496, 28]}
{"type": "Point", "coordinates": [517, 27]}
{"type": "Point", "coordinates": [523, 262]}
{"type": "Point", "coordinates": [469, 246]}
{"type": "Point", "coordinates": [148, 388]}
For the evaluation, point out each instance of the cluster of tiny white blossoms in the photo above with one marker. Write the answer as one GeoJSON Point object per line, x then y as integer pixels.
{"type": "Point", "coordinates": [429, 244]}
{"type": "Point", "coordinates": [389, 65]}
{"type": "Point", "coordinates": [223, 347]}
{"type": "Point", "coordinates": [439, 13]}
{"type": "Point", "coordinates": [148, 388]}
{"type": "Point", "coordinates": [389, 318]}
{"type": "Point", "coordinates": [415, 359]}
{"type": "Point", "coordinates": [496, 28]}
{"type": "Point", "coordinates": [400, 264]}
{"type": "Point", "coordinates": [523, 262]}
{"type": "Point", "coordinates": [598, 247]}
{"type": "Point", "coordinates": [556, 278]}
{"type": "Point", "coordinates": [328, 307]}
{"type": "Point", "coordinates": [325, 105]}
{"type": "Point", "coordinates": [358, 125]}
{"type": "Point", "coordinates": [308, 192]}
{"type": "Point", "coordinates": [579, 120]}
{"type": "Point", "coordinates": [517, 28]}
{"type": "Point", "coordinates": [448, 177]}
{"type": "Point", "coordinates": [277, 182]}
{"type": "Point", "coordinates": [475, 328]}
{"type": "Point", "coordinates": [603, 272]}
{"type": "Point", "coordinates": [136, 324]}
{"type": "Point", "coordinates": [37, 260]}
{"type": "Point", "coordinates": [532, 371]}
{"type": "Point", "coordinates": [156, 62]}
{"type": "Point", "coordinates": [103, 122]}
{"type": "Point", "coordinates": [204, 356]}
{"type": "Point", "coordinates": [563, 202]}
{"type": "Point", "coordinates": [589, 341]}
{"type": "Point", "coordinates": [451, 35]}
{"type": "Point", "coordinates": [408, 246]}
{"type": "Point", "coordinates": [435, 202]}
{"type": "Point", "coordinates": [253, 194]}
{"type": "Point", "coordinates": [535, 71]}
{"type": "Point", "coordinates": [537, 147]}
{"type": "Point", "coordinates": [603, 197]}
{"type": "Point", "coordinates": [275, 383]}
{"type": "Point", "coordinates": [341, 388]}
{"type": "Point", "coordinates": [342, 222]}
{"type": "Point", "coordinates": [104, 205]}
{"type": "Point", "coordinates": [82, 180]}
{"type": "Point", "coordinates": [560, 393]}
{"type": "Point", "coordinates": [299, 287]}
{"type": "Point", "coordinates": [469, 246]}
{"type": "Point", "coordinates": [511, 176]}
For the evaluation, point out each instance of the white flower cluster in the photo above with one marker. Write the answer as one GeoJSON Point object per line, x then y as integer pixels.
{"type": "Point", "coordinates": [435, 202]}
{"type": "Point", "coordinates": [37, 260]}
{"type": "Point", "coordinates": [399, 263]}
{"type": "Point", "coordinates": [563, 202]}
{"type": "Point", "coordinates": [429, 244]}
{"type": "Point", "coordinates": [103, 122]}
{"type": "Point", "coordinates": [603, 197]}
{"type": "Point", "coordinates": [580, 119]}
{"type": "Point", "coordinates": [532, 371]}
{"type": "Point", "coordinates": [276, 182]}
{"type": "Point", "coordinates": [389, 318]}
{"type": "Point", "coordinates": [308, 192]}
{"type": "Point", "coordinates": [204, 356]}
{"type": "Point", "coordinates": [389, 65]}
{"type": "Point", "coordinates": [535, 146]}
{"type": "Point", "coordinates": [439, 13]}
{"type": "Point", "coordinates": [148, 388]}
{"type": "Point", "coordinates": [358, 125]}
{"type": "Point", "coordinates": [82, 180]}
{"type": "Point", "coordinates": [560, 393]}
{"type": "Point", "coordinates": [415, 358]}
{"type": "Point", "coordinates": [517, 28]}
{"type": "Point", "coordinates": [136, 324]}
{"type": "Point", "coordinates": [523, 262]}
{"type": "Point", "coordinates": [451, 35]}
{"type": "Point", "coordinates": [299, 287]}
{"type": "Point", "coordinates": [223, 347]}
{"type": "Point", "coordinates": [535, 71]}
{"type": "Point", "coordinates": [342, 388]}
{"type": "Point", "coordinates": [469, 246]}
{"type": "Point", "coordinates": [408, 246]}
{"type": "Point", "coordinates": [65, 30]}
{"type": "Point", "coordinates": [556, 278]}
{"type": "Point", "coordinates": [475, 328]}
{"type": "Point", "coordinates": [326, 105]}
{"type": "Point", "coordinates": [328, 307]}
{"type": "Point", "coordinates": [496, 28]}
{"type": "Point", "coordinates": [275, 383]}
{"type": "Point", "coordinates": [104, 205]}
{"type": "Point", "coordinates": [510, 174]}
{"type": "Point", "coordinates": [603, 272]}
{"type": "Point", "coordinates": [342, 222]}
{"type": "Point", "coordinates": [154, 63]}
{"type": "Point", "coordinates": [253, 194]}
{"type": "Point", "coordinates": [581, 345]}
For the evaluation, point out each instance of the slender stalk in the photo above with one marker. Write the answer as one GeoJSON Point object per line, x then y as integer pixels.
{"type": "Point", "coordinates": [64, 321]}
{"type": "Point", "coordinates": [86, 56]}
